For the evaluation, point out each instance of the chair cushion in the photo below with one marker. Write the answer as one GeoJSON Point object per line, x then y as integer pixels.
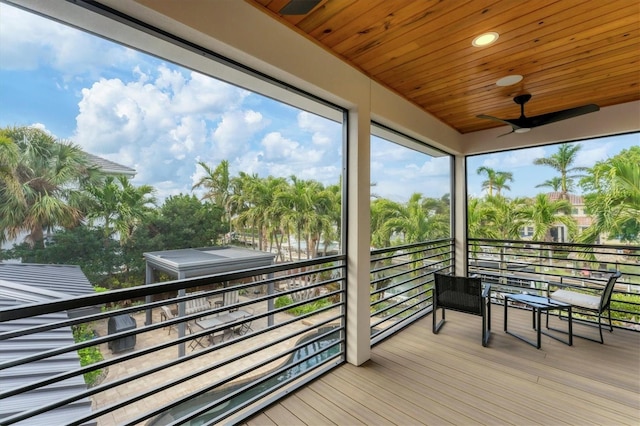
{"type": "Point", "coordinates": [577, 299]}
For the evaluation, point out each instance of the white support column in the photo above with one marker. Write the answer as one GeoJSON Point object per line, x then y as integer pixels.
{"type": "Point", "coordinates": [358, 248]}
{"type": "Point", "coordinates": [460, 215]}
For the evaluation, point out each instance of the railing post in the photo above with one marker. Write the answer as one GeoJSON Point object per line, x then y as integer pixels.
{"type": "Point", "coordinates": [358, 239]}
{"type": "Point", "coordinates": [460, 216]}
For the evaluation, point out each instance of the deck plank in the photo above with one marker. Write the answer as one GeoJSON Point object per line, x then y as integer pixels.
{"type": "Point", "coordinates": [416, 377]}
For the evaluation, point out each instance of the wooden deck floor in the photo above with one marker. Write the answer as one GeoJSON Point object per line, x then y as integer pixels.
{"type": "Point", "coordinates": [416, 377]}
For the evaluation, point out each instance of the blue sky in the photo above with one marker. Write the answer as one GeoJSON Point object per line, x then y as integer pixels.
{"type": "Point", "coordinates": [526, 175]}
{"type": "Point", "coordinates": [161, 119]}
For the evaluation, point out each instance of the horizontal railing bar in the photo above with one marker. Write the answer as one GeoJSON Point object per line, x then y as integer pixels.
{"type": "Point", "coordinates": [190, 376]}
{"type": "Point", "coordinates": [280, 370]}
{"type": "Point", "coordinates": [549, 243]}
{"type": "Point", "coordinates": [233, 359]}
{"type": "Point", "coordinates": [94, 317]}
{"type": "Point", "coordinates": [110, 385]}
{"type": "Point", "coordinates": [385, 289]}
{"type": "Point", "coordinates": [385, 319]}
{"type": "Point", "coordinates": [397, 265]}
{"type": "Point", "coordinates": [34, 309]}
{"type": "Point", "coordinates": [410, 260]}
{"type": "Point", "coordinates": [136, 354]}
{"type": "Point", "coordinates": [446, 242]}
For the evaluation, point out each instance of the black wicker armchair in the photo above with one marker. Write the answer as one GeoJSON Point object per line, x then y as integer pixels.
{"type": "Point", "coordinates": [462, 294]}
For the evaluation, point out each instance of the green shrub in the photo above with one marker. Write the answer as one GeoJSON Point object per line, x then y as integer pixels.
{"type": "Point", "coordinates": [283, 301]}
{"type": "Point", "coordinates": [88, 355]}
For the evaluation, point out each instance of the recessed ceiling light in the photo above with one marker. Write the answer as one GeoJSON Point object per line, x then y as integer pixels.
{"type": "Point", "coordinates": [509, 80]}
{"type": "Point", "coordinates": [522, 130]}
{"type": "Point", "coordinates": [485, 39]}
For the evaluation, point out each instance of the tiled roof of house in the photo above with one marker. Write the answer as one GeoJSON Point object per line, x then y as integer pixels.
{"type": "Point", "coordinates": [576, 200]}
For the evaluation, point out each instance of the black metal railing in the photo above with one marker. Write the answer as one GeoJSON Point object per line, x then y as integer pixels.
{"type": "Point", "coordinates": [151, 355]}
{"type": "Point", "coordinates": [535, 267]}
{"type": "Point", "coordinates": [402, 282]}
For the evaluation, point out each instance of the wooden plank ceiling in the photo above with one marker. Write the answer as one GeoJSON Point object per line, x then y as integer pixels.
{"type": "Point", "coordinates": [570, 52]}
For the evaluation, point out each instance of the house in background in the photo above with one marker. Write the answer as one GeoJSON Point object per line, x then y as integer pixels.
{"type": "Point", "coordinates": [108, 167]}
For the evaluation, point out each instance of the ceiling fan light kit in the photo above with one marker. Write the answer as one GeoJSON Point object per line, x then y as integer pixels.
{"type": "Point", "coordinates": [509, 80]}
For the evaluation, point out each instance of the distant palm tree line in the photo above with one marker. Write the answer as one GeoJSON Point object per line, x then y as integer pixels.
{"type": "Point", "coordinates": [612, 200]}
{"type": "Point", "coordinates": [47, 184]}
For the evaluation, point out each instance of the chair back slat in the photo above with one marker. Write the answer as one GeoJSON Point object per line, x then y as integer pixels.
{"type": "Point", "coordinates": [459, 293]}
{"type": "Point", "coordinates": [608, 291]}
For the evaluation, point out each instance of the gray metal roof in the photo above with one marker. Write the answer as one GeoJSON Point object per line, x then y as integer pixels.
{"type": "Point", "coordinates": [110, 167]}
{"type": "Point", "coordinates": [195, 262]}
{"type": "Point", "coordinates": [15, 294]}
{"type": "Point", "coordinates": [66, 279]}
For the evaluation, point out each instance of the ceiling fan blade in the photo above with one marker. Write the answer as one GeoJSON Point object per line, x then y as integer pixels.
{"type": "Point", "coordinates": [515, 124]}
{"type": "Point", "coordinates": [298, 7]}
{"type": "Point", "coordinates": [552, 117]}
{"type": "Point", "coordinates": [505, 134]}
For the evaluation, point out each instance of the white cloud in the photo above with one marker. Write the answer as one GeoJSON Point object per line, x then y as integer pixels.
{"type": "Point", "coordinates": [311, 122]}
{"type": "Point", "coordinates": [505, 161]}
{"type": "Point", "coordinates": [234, 132]}
{"type": "Point", "coordinates": [323, 131]}
{"type": "Point", "coordinates": [161, 122]}
{"type": "Point", "coordinates": [188, 137]}
{"type": "Point", "coordinates": [281, 149]}
{"type": "Point", "coordinates": [591, 154]}
{"type": "Point", "coordinates": [30, 42]}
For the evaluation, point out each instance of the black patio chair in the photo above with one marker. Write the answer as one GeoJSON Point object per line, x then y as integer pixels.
{"type": "Point", "coordinates": [462, 294]}
{"type": "Point", "coordinates": [595, 304]}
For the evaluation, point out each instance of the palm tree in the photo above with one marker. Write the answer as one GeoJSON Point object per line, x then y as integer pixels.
{"type": "Point", "coordinates": [41, 183]}
{"type": "Point", "coordinates": [504, 217]}
{"type": "Point", "coordinates": [382, 210]}
{"type": "Point", "coordinates": [218, 185]}
{"type": "Point", "coordinates": [545, 214]}
{"type": "Point", "coordinates": [554, 183]}
{"type": "Point", "coordinates": [120, 205]}
{"type": "Point", "coordinates": [415, 222]}
{"type": "Point", "coordinates": [614, 200]}
{"type": "Point", "coordinates": [495, 179]}
{"type": "Point", "coordinates": [501, 180]}
{"type": "Point", "coordinates": [333, 233]}
{"type": "Point", "coordinates": [562, 161]}
{"type": "Point", "coordinates": [477, 214]}
{"type": "Point", "coordinates": [306, 204]}
{"type": "Point", "coordinates": [239, 202]}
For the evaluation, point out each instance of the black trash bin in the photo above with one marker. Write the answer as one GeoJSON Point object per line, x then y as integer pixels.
{"type": "Point", "coordinates": [118, 324]}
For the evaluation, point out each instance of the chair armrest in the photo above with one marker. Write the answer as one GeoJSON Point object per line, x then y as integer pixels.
{"type": "Point", "coordinates": [486, 290]}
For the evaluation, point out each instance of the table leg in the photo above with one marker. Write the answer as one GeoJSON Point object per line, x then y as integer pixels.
{"type": "Point", "coordinates": [570, 327]}
{"type": "Point", "coordinates": [539, 328]}
{"type": "Point", "coordinates": [506, 303]}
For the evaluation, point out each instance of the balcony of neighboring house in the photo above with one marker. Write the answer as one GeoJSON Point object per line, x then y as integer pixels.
{"type": "Point", "coordinates": [225, 347]}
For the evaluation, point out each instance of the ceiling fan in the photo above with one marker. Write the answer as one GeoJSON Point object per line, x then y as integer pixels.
{"type": "Point", "coordinates": [524, 124]}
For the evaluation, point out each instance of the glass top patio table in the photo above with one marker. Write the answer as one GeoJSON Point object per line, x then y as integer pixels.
{"type": "Point", "coordinates": [538, 304]}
